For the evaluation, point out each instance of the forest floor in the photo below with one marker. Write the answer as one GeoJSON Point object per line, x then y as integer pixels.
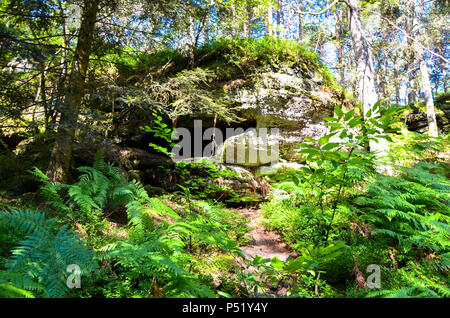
{"type": "Point", "coordinates": [264, 243]}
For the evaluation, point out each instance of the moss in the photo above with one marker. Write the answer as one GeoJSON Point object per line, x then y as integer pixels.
{"type": "Point", "coordinates": [233, 58]}
{"type": "Point", "coordinates": [154, 191]}
{"type": "Point", "coordinates": [215, 263]}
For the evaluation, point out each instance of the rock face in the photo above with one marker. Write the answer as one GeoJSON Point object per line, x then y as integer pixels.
{"type": "Point", "coordinates": [417, 120]}
{"type": "Point", "coordinates": [289, 100]}
{"type": "Point", "coordinates": [253, 148]}
{"type": "Point", "coordinates": [286, 106]}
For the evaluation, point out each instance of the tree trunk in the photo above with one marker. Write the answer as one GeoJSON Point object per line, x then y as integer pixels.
{"type": "Point", "coordinates": [214, 144]}
{"type": "Point", "coordinates": [150, 39]}
{"type": "Point", "coordinates": [44, 96]}
{"type": "Point", "coordinates": [365, 74]}
{"type": "Point", "coordinates": [249, 21]}
{"type": "Point", "coordinates": [300, 31]}
{"type": "Point", "coordinates": [287, 23]}
{"type": "Point", "coordinates": [340, 47]}
{"type": "Point", "coordinates": [234, 18]}
{"type": "Point", "coordinates": [191, 40]}
{"type": "Point", "coordinates": [411, 92]}
{"type": "Point", "coordinates": [61, 157]}
{"type": "Point", "coordinates": [443, 70]}
{"type": "Point", "coordinates": [387, 87]}
{"type": "Point", "coordinates": [208, 13]}
{"type": "Point", "coordinates": [270, 20]}
{"type": "Point", "coordinates": [364, 65]}
{"type": "Point", "coordinates": [279, 12]}
{"type": "Point", "coordinates": [426, 84]}
{"type": "Point", "coordinates": [396, 70]}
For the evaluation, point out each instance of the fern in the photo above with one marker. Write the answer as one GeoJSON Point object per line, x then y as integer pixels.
{"type": "Point", "coordinates": [413, 209]}
{"type": "Point", "coordinates": [45, 253]}
{"type": "Point", "coordinates": [159, 255]}
{"type": "Point", "coordinates": [13, 284]}
{"type": "Point", "coordinates": [410, 208]}
{"type": "Point", "coordinates": [98, 188]}
{"type": "Point", "coordinates": [417, 281]}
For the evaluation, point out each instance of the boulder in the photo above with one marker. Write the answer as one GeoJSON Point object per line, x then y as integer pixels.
{"type": "Point", "coordinates": [253, 148]}
{"type": "Point", "coordinates": [289, 101]}
{"type": "Point", "coordinates": [276, 167]}
{"type": "Point", "coordinates": [417, 119]}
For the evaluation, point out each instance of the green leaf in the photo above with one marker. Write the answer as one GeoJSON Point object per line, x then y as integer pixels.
{"type": "Point", "coordinates": [306, 170]}
{"type": "Point", "coordinates": [224, 294]}
{"type": "Point", "coordinates": [334, 125]}
{"type": "Point", "coordinates": [343, 134]}
{"type": "Point", "coordinates": [354, 122]}
{"type": "Point", "coordinates": [329, 155]}
{"type": "Point", "coordinates": [349, 115]}
{"type": "Point", "coordinates": [323, 140]}
{"type": "Point", "coordinates": [331, 145]}
{"type": "Point", "coordinates": [335, 164]}
{"type": "Point", "coordinates": [303, 145]}
{"type": "Point", "coordinates": [276, 263]}
{"type": "Point", "coordinates": [311, 152]}
{"type": "Point", "coordinates": [385, 137]}
{"type": "Point", "coordinates": [338, 111]}
{"type": "Point", "coordinates": [295, 265]}
{"type": "Point", "coordinates": [377, 105]}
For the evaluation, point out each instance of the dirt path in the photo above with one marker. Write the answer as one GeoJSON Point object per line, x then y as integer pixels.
{"type": "Point", "coordinates": [264, 243]}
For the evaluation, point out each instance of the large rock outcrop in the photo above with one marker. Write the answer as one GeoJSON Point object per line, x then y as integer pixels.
{"type": "Point", "coordinates": [417, 119]}
{"type": "Point", "coordinates": [288, 99]}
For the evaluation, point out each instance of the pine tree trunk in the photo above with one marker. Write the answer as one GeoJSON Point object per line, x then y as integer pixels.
{"type": "Point", "coordinates": [287, 23]}
{"type": "Point", "coordinates": [340, 47]}
{"type": "Point", "coordinates": [364, 65]}
{"type": "Point", "coordinates": [443, 71]}
{"type": "Point", "coordinates": [300, 30]}
{"type": "Point", "coordinates": [191, 40]}
{"type": "Point", "coordinates": [396, 71]}
{"type": "Point", "coordinates": [150, 40]}
{"type": "Point", "coordinates": [387, 86]}
{"type": "Point", "coordinates": [279, 11]}
{"type": "Point", "coordinates": [409, 30]}
{"type": "Point", "coordinates": [234, 22]}
{"type": "Point", "coordinates": [208, 10]}
{"type": "Point", "coordinates": [426, 86]}
{"type": "Point", "coordinates": [410, 89]}
{"type": "Point", "coordinates": [270, 20]}
{"type": "Point", "coordinates": [425, 78]}
{"type": "Point", "coordinates": [249, 21]}
{"type": "Point", "coordinates": [61, 157]}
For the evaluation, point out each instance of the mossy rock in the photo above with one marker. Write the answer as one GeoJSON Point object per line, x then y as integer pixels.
{"type": "Point", "coordinates": [250, 149]}
{"type": "Point", "coordinates": [153, 191]}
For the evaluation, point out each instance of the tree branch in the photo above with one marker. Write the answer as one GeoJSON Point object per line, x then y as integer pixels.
{"type": "Point", "coordinates": [317, 13]}
{"type": "Point", "coordinates": [411, 38]}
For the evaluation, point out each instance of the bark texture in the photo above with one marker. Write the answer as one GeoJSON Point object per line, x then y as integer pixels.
{"type": "Point", "coordinates": [364, 65]}
{"type": "Point", "coordinates": [61, 158]}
